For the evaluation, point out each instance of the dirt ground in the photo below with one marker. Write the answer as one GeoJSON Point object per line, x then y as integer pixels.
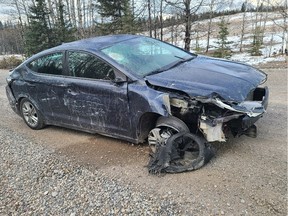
{"type": "Point", "coordinates": [246, 177]}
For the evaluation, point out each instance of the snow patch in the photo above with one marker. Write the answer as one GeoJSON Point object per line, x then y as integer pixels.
{"type": "Point", "coordinates": [255, 60]}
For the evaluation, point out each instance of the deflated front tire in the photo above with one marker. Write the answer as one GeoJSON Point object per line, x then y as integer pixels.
{"type": "Point", "coordinates": [182, 152]}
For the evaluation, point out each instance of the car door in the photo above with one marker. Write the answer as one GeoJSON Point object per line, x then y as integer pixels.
{"type": "Point", "coordinates": [46, 81]}
{"type": "Point", "coordinates": [93, 98]}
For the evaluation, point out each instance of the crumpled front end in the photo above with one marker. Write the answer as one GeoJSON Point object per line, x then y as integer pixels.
{"type": "Point", "coordinates": [214, 96]}
{"type": "Point", "coordinates": [215, 118]}
{"type": "Point", "coordinates": [237, 118]}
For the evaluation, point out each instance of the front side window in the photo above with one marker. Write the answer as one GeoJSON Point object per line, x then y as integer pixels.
{"type": "Point", "coordinates": [85, 65]}
{"type": "Point", "coordinates": [48, 64]}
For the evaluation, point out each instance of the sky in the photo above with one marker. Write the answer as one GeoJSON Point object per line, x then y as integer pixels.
{"type": "Point", "coordinates": [4, 10]}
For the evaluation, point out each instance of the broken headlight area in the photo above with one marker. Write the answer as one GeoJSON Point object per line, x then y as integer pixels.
{"type": "Point", "coordinates": [182, 152]}
{"type": "Point", "coordinates": [216, 118]}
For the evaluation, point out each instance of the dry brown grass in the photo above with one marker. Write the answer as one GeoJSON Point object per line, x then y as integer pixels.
{"type": "Point", "coordinates": [9, 62]}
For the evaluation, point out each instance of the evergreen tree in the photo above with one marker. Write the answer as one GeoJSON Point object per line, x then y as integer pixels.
{"type": "Point", "coordinates": [116, 16]}
{"type": "Point", "coordinates": [261, 8]}
{"type": "Point", "coordinates": [257, 42]}
{"type": "Point", "coordinates": [41, 34]}
{"type": "Point", "coordinates": [63, 32]}
{"type": "Point", "coordinates": [38, 35]}
{"type": "Point", "coordinates": [223, 50]}
{"type": "Point", "coordinates": [244, 7]}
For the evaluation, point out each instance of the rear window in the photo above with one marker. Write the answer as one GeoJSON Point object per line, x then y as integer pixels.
{"type": "Point", "coordinates": [48, 64]}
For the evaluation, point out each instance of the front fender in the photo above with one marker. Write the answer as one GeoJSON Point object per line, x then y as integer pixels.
{"type": "Point", "coordinates": [143, 99]}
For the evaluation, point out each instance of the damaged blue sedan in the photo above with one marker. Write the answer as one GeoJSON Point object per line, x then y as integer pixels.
{"type": "Point", "coordinates": [138, 89]}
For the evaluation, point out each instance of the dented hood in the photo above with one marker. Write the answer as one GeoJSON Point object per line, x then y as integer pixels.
{"type": "Point", "coordinates": [210, 77]}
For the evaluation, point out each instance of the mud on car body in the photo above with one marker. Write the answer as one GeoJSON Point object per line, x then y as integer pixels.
{"type": "Point", "coordinates": [137, 88]}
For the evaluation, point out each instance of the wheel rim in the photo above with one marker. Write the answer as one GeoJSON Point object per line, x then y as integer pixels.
{"type": "Point", "coordinates": [182, 152]}
{"type": "Point", "coordinates": [30, 114]}
{"type": "Point", "coordinates": [159, 136]}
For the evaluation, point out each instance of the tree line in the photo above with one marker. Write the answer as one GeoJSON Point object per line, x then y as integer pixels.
{"type": "Point", "coordinates": [41, 24]}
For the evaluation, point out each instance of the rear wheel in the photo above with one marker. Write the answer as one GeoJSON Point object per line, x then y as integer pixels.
{"type": "Point", "coordinates": [165, 128]}
{"type": "Point", "coordinates": [31, 114]}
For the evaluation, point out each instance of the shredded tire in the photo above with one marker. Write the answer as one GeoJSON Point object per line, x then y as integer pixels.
{"type": "Point", "coordinates": [182, 152]}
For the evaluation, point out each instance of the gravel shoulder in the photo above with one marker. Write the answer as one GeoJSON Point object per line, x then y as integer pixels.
{"type": "Point", "coordinates": [34, 180]}
{"type": "Point", "coordinates": [57, 171]}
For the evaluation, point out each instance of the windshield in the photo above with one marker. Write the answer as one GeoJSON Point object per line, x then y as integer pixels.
{"type": "Point", "coordinates": [144, 56]}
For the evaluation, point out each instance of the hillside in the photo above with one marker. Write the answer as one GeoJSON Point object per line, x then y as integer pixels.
{"type": "Point", "coordinates": [271, 49]}
{"type": "Point", "coordinates": [272, 37]}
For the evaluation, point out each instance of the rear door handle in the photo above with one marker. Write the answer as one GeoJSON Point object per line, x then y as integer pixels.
{"type": "Point", "coordinates": [31, 85]}
{"type": "Point", "coordinates": [62, 85]}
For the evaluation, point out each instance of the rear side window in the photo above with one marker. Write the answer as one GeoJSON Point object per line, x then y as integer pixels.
{"type": "Point", "coordinates": [48, 64]}
{"type": "Point", "coordinates": [88, 66]}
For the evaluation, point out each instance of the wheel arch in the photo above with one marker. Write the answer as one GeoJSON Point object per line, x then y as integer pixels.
{"type": "Point", "coordinates": [146, 123]}
{"type": "Point", "coordinates": [37, 121]}
{"type": "Point", "coordinates": [33, 102]}
{"type": "Point", "coordinates": [150, 120]}
{"type": "Point", "coordinates": [19, 102]}
{"type": "Point", "coordinates": [173, 122]}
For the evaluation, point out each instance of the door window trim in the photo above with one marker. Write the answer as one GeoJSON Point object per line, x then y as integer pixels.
{"type": "Point", "coordinates": [64, 70]}
{"type": "Point", "coordinates": [118, 74]}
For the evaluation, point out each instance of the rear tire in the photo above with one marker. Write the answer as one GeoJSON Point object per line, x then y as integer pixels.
{"type": "Point", "coordinates": [31, 115]}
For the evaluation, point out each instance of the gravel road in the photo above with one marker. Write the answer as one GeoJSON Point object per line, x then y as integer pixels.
{"type": "Point", "coordinates": [57, 171]}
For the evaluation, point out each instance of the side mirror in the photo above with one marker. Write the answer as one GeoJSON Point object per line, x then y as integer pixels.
{"type": "Point", "coordinates": [119, 80]}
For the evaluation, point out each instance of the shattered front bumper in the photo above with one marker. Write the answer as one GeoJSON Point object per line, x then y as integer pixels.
{"type": "Point", "coordinates": [248, 121]}
{"type": "Point", "coordinates": [244, 116]}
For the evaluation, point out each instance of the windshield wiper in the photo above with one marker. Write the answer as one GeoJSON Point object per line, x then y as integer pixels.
{"type": "Point", "coordinates": [179, 62]}
{"type": "Point", "coordinates": [182, 60]}
{"type": "Point", "coordinates": [179, 57]}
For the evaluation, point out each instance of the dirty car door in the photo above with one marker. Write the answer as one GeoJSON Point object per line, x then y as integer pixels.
{"type": "Point", "coordinates": [94, 100]}
{"type": "Point", "coordinates": [45, 84]}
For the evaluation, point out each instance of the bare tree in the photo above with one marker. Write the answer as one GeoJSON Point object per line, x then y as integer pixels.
{"type": "Point", "coordinates": [161, 20]}
{"type": "Point", "coordinates": [26, 4]}
{"type": "Point", "coordinates": [211, 6]}
{"type": "Point", "coordinates": [155, 19]}
{"type": "Point", "coordinates": [19, 12]}
{"type": "Point", "coordinates": [73, 12]}
{"type": "Point", "coordinates": [68, 9]}
{"type": "Point", "coordinates": [187, 10]}
{"type": "Point", "coordinates": [52, 14]}
{"type": "Point", "coordinates": [22, 14]}
{"type": "Point", "coordinates": [158, 19]}
{"type": "Point", "coordinates": [149, 17]}
{"type": "Point", "coordinates": [80, 18]}
{"type": "Point", "coordinates": [282, 11]}
{"type": "Point", "coordinates": [257, 32]}
{"type": "Point", "coordinates": [243, 26]}
{"type": "Point", "coordinates": [10, 39]}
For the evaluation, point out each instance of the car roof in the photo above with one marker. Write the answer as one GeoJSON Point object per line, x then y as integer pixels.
{"type": "Point", "coordinates": [90, 44]}
{"type": "Point", "coordinates": [96, 43]}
